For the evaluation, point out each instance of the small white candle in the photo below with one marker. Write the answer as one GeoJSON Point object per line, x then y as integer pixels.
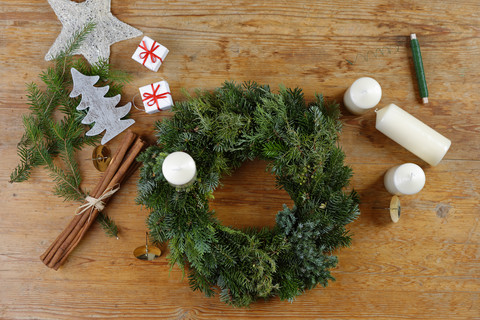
{"type": "Point", "coordinates": [405, 179]}
{"type": "Point", "coordinates": [412, 134]}
{"type": "Point", "coordinates": [179, 169]}
{"type": "Point", "coordinates": [365, 93]}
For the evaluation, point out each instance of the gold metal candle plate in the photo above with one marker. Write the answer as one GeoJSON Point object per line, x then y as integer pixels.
{"type": "Point", "coordinates": [101, 158]}
{"type": "Point", "coordinates": [395, 209]}
{"type": "Point", "coordinates": [147, 252]}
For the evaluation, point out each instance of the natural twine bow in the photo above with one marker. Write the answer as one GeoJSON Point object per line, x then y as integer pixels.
{"type": "Point", "coordinates": [94, 203]}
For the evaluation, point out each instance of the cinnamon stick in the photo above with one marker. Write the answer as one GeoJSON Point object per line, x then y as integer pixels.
{"type": "Point", "coordinates": [79, 220]}
{"type": "Point", "coordinates": [116, 162]}
{"type": "Point", "coordinates": [119, 176]}
{"type": "Point", "coordinates": [59, 247]}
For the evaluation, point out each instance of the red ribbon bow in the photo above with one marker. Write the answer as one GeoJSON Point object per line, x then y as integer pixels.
{"type": "Point", "coordinates": [154, 97]}
{"type": "Point", "coordinates": [144, 55]}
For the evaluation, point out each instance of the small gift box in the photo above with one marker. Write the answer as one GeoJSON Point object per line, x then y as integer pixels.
{"type": "Point", "coordinates": [156, 97]}
{"type": "Point", "coordinates": [150, 53]}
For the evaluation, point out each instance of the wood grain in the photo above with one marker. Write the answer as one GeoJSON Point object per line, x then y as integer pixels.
{"type": "Point", "coordinates": [427, 266]}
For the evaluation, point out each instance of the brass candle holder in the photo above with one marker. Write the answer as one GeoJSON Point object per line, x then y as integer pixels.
{"type": "Point", "coordinates": [101, 158]}
{"type": "Point", "coordinates": [147, 252]}
{"type": "Point", "coordinates": [395, 209]}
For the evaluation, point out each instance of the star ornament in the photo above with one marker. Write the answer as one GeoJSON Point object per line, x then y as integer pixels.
{"type": "Point", "coordinates": [108, 29]}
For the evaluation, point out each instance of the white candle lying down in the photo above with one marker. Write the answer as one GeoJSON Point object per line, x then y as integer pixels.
{"type": "Point", "coordinates": [179, 169]}
{"type": "Point", "coordinates": [364, 94]}
{"type": "Point", "coordinates": [412, 134]}
{"type": "Point", "coordinates": [405, 179]}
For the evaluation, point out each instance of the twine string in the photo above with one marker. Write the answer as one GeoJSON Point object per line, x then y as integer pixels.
{"type": "Point", "coordinates": [96, 203]}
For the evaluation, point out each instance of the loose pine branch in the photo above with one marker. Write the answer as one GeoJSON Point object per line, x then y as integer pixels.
{"type": "Point", "coordinates": [108, 225]}
{"type": "Point", "coordinates": [52, 143]}
{"type": "Point", "coordinates": [44, 138]}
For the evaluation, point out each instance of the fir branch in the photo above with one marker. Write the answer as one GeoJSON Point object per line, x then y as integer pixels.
{"type": "Point", "coordinates": [75, 42]}
{"type": "Point", "coordinates": [108, 225]}
{"type": "Point", "coordinates": [61, 63]}
{"type": "Point", "coordinates": [67, 186]}
{"type": "Point", "coordinates": [23, 170]}
{"type": "Point", "coordinates": [52, 143]}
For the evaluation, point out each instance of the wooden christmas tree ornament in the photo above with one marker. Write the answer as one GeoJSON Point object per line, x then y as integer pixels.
{"type": "Point", "coordinates": [101, 109]}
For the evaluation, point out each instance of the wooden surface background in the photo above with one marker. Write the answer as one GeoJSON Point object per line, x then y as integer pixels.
{"type": "Point", "coordinates": [426, 266]}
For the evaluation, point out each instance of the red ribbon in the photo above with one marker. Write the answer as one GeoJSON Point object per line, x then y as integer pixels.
{"type": "Point", "coordinates": [154, 97]}
{"type": "Point", "coordinates": [144, 55]}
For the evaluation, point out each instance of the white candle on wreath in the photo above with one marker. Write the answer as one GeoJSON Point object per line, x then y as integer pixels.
{"type": "Point", "coordinates": [179, 169]}
{"type": "Point", "coordinates": [364, 94]}
{"type": "Point", "coordinates": [405, 179]}
{"type": "Point", "coordinates": [412, 134]}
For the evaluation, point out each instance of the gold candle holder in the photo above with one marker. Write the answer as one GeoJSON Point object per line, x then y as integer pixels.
{"type": "Point", "coordinates": [147, 252]}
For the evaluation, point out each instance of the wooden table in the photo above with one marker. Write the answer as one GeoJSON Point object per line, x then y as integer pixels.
{"type": "Point", "coordinates": [425, 266]}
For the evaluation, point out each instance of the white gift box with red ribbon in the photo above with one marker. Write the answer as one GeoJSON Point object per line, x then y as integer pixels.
{"type": "Point", "coordinates": [156, 97]}
{"type": "Point", "coordinates": [150, 53]}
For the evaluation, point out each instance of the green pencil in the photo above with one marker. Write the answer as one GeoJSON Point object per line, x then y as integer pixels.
{"type": "Point", "coordinates": [417, 61]}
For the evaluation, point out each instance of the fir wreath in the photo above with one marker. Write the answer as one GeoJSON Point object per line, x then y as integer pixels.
{"type": "Point", "coordinates": [220, 130]}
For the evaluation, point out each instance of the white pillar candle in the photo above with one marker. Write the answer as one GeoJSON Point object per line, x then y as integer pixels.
{"type": "Point", "coordinates": [179, 169]}
{"type": "Point", "coordinates": [405, 179]}
{"type": "Point", "coordinates": [363, 94]}
{"type": "Point", "coordinates": [412, 134]}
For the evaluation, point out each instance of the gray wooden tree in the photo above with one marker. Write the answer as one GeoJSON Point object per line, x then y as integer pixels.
{"type": "Point", "coordinates": [101, 109]}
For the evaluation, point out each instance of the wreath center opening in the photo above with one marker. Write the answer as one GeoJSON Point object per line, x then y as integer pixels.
{"type": "Point", "coordinates": [249, 197]}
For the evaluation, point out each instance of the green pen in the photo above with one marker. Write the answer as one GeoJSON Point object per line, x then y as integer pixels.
{"type": "Point", "coordinates": [417, 61]}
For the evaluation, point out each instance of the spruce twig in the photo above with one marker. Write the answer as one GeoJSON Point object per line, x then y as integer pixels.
{"type": "Point", "coordinates": [51, 143]}
{"type": "Point", "coordinates": [108, 225]}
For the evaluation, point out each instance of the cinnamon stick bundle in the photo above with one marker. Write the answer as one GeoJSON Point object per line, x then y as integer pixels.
{"type": "Point", "coordinates": [123, 164]}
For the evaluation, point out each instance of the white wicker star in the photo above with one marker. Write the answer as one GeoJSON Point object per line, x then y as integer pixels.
{"type": "Point", "coordinates": [108, 30]}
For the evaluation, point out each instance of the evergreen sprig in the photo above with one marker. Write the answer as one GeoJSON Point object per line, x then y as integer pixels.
{"type": "Point", "coordinates": [220, 130]}
{"type": "Point", "coordinates": [51, 143]}
{"type": "Point", "coordinates": [108, 225]}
